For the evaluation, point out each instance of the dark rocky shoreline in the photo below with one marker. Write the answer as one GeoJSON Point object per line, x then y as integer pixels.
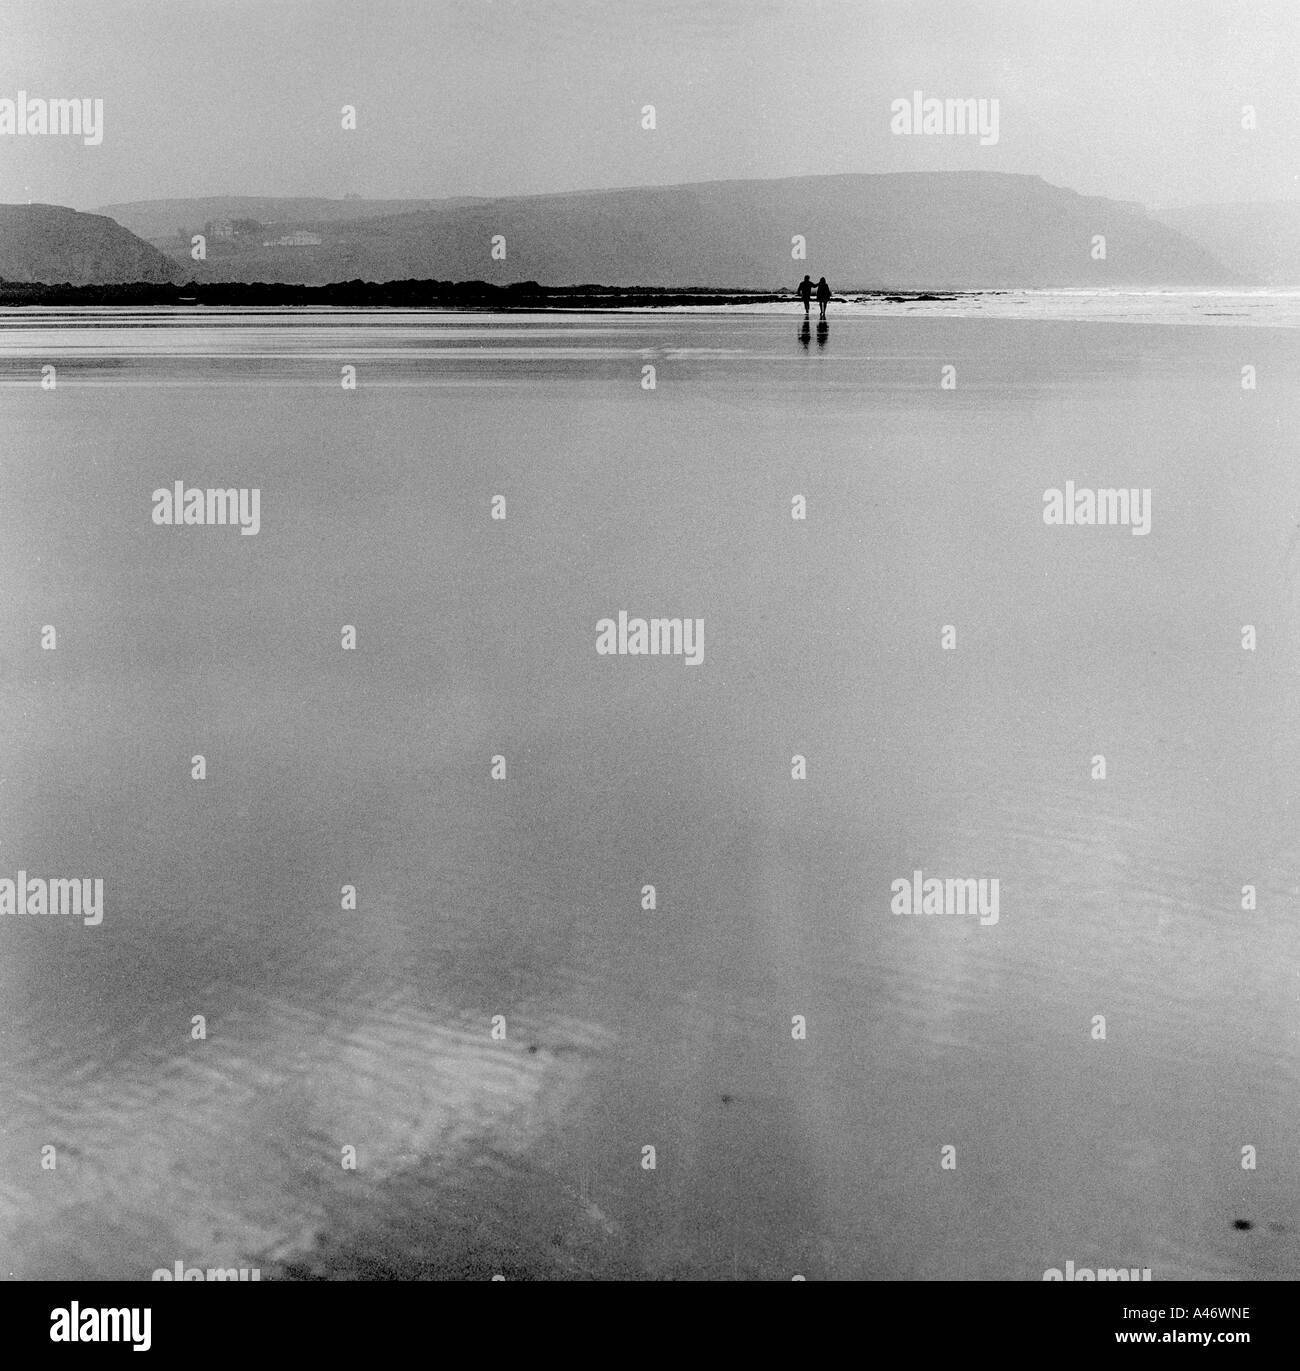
{"type": "Point", "coordinates": [527, 295]}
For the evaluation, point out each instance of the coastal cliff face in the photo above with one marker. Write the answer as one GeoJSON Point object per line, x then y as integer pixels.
{"type": "Point", "coordinates": [914, 230]}
{"type": "Point", "coordinates": [1260, 241]}
{"type": "Point", "coordinates": [53, 244]}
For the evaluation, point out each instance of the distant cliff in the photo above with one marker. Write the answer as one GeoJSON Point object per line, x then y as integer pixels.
{"type": "Point", "coordinates": [1260, 242]}
{"type": "Point", "coordinates": [909, 230]}
{"type": "Point", "coordinates": [155, 220]}
{"type": "Point", "coordinates": [52, 244]}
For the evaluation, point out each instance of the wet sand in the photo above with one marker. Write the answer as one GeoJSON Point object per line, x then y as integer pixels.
{"type": "Point", "coordinates": [671, 1028]}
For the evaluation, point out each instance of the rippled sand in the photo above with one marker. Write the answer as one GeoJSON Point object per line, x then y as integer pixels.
{"type": "Point", "coordinates": [625, 1028]}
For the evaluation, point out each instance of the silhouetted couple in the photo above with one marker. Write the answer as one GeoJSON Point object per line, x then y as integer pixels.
{"type": "Point", "coordinates": [805, 293]}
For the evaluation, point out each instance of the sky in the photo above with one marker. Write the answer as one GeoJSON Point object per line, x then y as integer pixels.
{"type": "Point", "coordinates": [1134, 99]}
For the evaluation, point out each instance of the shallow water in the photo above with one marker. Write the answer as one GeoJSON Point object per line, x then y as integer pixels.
{"type": "Point", "coordinates": [1268, 308]}
{"type": "Point", "coordinates": [522, 898]}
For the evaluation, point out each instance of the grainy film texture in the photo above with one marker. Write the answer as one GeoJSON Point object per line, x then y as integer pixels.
{"type": "Point", "coordinates": [649, 640]}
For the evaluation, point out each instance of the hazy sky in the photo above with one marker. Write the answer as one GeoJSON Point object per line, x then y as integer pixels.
{"type": "Point", "coordinates": [1139, 99]}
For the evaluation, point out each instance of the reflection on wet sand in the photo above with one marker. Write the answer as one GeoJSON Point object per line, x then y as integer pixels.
{"type": "Point", "coordinates": [495, 1021]}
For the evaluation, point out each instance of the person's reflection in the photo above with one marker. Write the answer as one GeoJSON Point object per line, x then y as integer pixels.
{"type": "Point", "coordinates": [823, 331]}
{"type": "Point", "coordinates": [805, 332]}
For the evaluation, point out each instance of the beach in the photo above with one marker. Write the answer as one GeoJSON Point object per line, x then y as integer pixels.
{"type": "Point", "coordinates": [650, 465]}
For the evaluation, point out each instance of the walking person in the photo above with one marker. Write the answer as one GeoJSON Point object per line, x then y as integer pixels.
{"type": "Point", "coordinates": [823, 295]}
{"type": "Point", "coordinates": [804, 292]}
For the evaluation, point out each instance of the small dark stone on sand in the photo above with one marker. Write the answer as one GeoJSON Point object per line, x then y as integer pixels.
{"type": "Point", "coordinates": [1242, 1223]}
